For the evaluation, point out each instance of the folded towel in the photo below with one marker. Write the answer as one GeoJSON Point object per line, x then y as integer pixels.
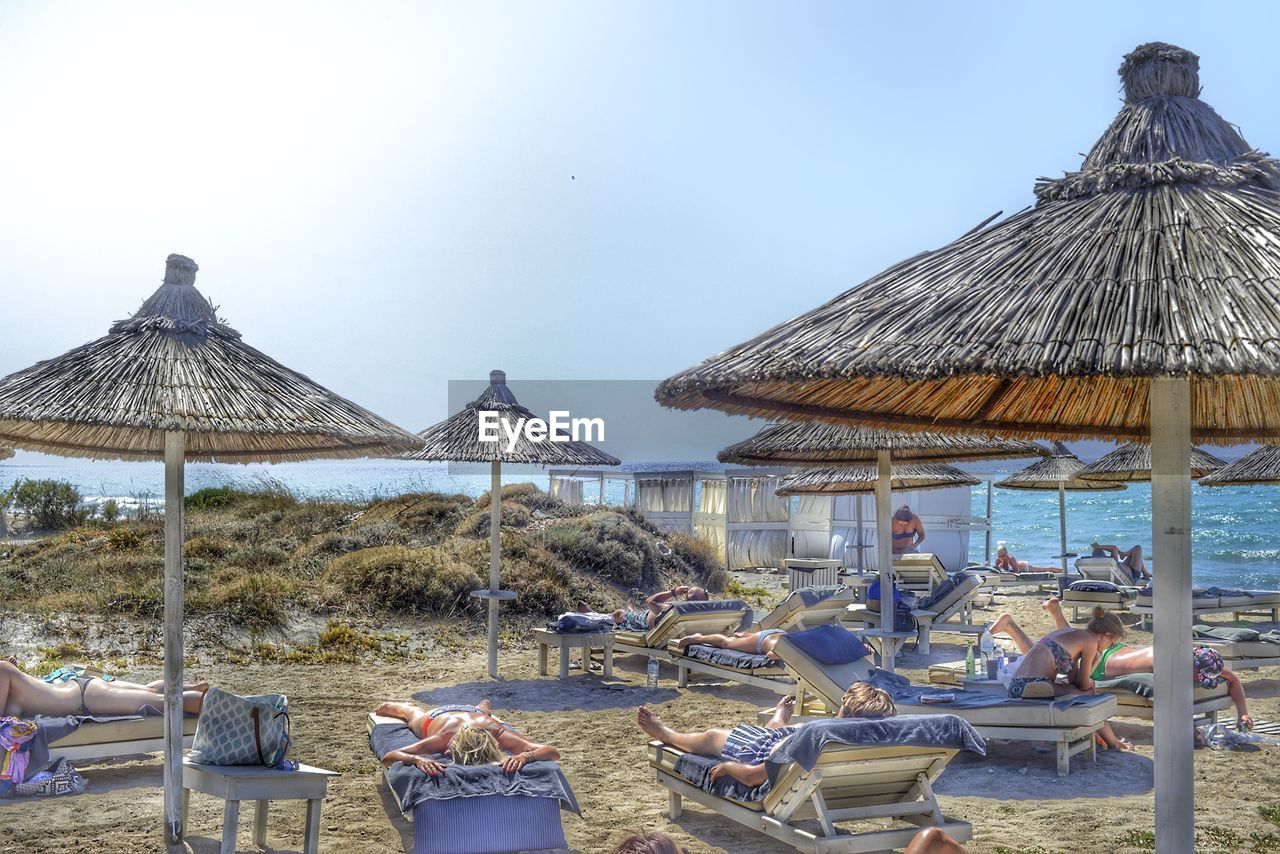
{"type": "Point", "coordinates": [731, 657]}
{"type": "Point", "coordinates": [697, 770]}
{"type": "Point", "coordinates": [572, 623]}
{"type": "Point", "coordinates": [805, 746]}
{"type": "Point", "coordinates": [1223, 633]}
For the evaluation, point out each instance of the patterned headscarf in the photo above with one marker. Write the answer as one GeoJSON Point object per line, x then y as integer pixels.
{"type": "Point", "coordinates": [1208, 666]}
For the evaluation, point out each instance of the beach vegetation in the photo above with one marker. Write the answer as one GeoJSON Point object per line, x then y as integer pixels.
{"type": "Point", "coordinates": [1270, 812]}
{"type": "Point", "coordinates": [123, 538]}
{"type": "Point", "coordinates": [49, 505]}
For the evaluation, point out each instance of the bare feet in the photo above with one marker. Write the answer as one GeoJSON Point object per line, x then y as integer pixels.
{"type": "Point", "coordinates": [1001, 624]}
{"type": "Point", "coordinates": [784, 710]}
{"type": "Point", "coordinates": [485, 705]}
{"type": "Point", "coordinates": [652, 725]}
{"type": "Point", "coordinates": [690, 639]}
{"type": "Point", "coordinates": [1051, 603]}
{"type": "Point", "coordinates": [584, 607]}
{"type": "Point", "coordinates": [403, 711]}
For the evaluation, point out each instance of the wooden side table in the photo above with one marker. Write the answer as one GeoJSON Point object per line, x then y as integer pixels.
{"type": "Point", "coordinates": [236, 783]}
{"type": "Point", "coordinates": [567, 642]}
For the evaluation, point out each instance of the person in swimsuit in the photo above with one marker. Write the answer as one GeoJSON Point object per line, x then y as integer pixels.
{"type": "Point", "coordinates": [1121, 659]}
{"type": "Point", "coordinates": [23, 696]}
{"type": "Point", "coordinates": [1006, 562]}
{"type": "Point", "coordinates": [632, 619]}
{"type": "Point", "coordinates": [458, 730]}
{"type": "Point", "coordinates": [908, 532]}
{"type": "Point", "coordinates": [761, 642]}
{"type": "Point", "coordinates": [1130, 559]}
{"type": "Point", "coordinates": [744, 749]}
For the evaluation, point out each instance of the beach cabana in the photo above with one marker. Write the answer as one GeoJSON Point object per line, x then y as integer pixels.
{"type": "Point", "coordinates": [818, 444]}
{"type": "Point", "coordinates": [176, 383]}
{"type": "Point", "coordinates": [1138, 299]}
{"type": "Point", "coordinates": [1131, 463]}
{"type": "Point", "coordinates": [1058, 473]}
{"type": "Point", "coordinates": [457, 439]}
{"type": "Point", "coordinates": [1256, 468]}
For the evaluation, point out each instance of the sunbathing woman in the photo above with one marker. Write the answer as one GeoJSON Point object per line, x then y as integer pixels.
{"type": "Point", "coordinates": [1120, 659]}
{"type": "Point", "coordinates": [633, 620]}
{"type": "Point", "coordinates": [745, 748]}
{"type": "Point", "coordinates": [1130, 559]}
{"type": "Point", "coordinates": [460, 731]}
{"type": "Point", "coordinates": [761, 642]}
{"type": "Point", "coordinates": [25, 696]}
{"type": "Point", "coordinates": [1006, 562]}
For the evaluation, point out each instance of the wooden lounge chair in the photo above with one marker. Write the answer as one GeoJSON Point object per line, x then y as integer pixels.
{"type": "Point", "coordinates": [996, 581]}
{"type": "Point", "coordinates": [680, 620]}
{"type": "Point", "coordinates": [1103, 569]}
{"type": "Point", "coordinates": [806, 608]}
{"type": "Point", "coordinates": [1259, 603]}
{"type": "Point", "coordinates": [772, 677]}
{"type": "Point", "coordinates": [1243, 649]}
{"type": "Point", "coordinates": [919, 572]}
{"type": "Point", "coordinates": [847, 784]}
{"type": "Point", "coordinates": [950, 612]}
{"type": "Point", "coordinates": [819, 690]}
{"type": "Point", "coordinates": [1113, 598]}
{"type": "Point", "coordinates": [118, 739]}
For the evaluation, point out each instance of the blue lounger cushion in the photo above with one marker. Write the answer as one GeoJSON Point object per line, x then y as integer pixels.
{"type": "Point", "coordinates": [829, 645]}
{"type": "Point", "coordinates": [731, 657]}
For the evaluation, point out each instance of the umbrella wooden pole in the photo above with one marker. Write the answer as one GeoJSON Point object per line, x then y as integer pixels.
{"type": "Point", "coordinates": [174, 461]}
{"type": "Point", "coordinates": [1062, 523]}
{"type": "Point", "coordinates": [495, 550]}
{"type": "Point", "coordinates": [1170, 403]}
{"type": "Point", "coordinates": [884, 547]}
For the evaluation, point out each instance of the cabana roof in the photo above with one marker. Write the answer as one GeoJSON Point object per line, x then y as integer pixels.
{"type": "Point", "coordinates": [174, 365]}
{"type": "Point", "coordinates": [1160, 257]}
{"type": "Point", "coordinates": [799, 443]}
{"type": "Point", "coordinates": [457, 438]}
{"type": "Point", "coordinates": [6, 453]}
{"type": "Point", "coordinates": [1132, 462]}
{"type": "Point", "coordinates": [856, 479]}
{"type": "Point", "coordinates": [1062, 469]}
{"type": "Point", "coordinates": [1261, 466]}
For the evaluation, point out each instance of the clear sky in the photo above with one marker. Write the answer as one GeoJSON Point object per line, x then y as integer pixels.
{"type": "Point", "coordinates": [386, 196]}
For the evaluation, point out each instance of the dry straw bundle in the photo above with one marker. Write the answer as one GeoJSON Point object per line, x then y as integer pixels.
{"type": "Point", "coordinates": [1261, 466]}
{"type": "Point", "coordinates": [860, 479]}
{"type": "Point", "coordinates": [1132, 462]}
{"type": "Point", "coordinates": [798, 444]}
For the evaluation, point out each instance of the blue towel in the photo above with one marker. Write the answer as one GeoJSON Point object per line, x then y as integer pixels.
{"type": "Point", "coordinates": [567, 624]}
{"type": "Point", "coordinates": [731, 657]}
{"type": "Point", "coordinates": [829, 645]}
{"type": "Point", "coordinates": [536, 779]}
{"type": "Point", "coordinates": [805, 745]}
{"type": "Point", "coordinates": [697, 770]}
{"type": "Point", "coordinates": [906, 694]}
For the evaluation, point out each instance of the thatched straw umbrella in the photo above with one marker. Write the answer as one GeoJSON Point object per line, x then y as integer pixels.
{"type": "Point", "coordinates": [815, 443]}
{"type": "Point", "coordinates": [1057, 473]}
{"type": "Point", "coordinates": [1131, 462]}
{"type": "Point", "coordinates": [1256, 468]}
{"type": "Point", "coordinates": [174, 382]}
{"type": "Point", "coordinates": [1138, 298]}
{"type": "Point", "coordinates": [6, 453]}
{"type": "Point", "coordinates": [457, 439]}
{"type": "Point", "coordinates": [854, 480]}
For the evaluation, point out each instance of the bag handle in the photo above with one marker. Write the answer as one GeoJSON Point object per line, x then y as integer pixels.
{"type": "Point", "coordinates": [256, 714]}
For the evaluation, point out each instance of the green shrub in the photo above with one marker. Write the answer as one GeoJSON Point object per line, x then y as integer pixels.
{"type": "Point", "coordinates": [123, 539]}
{"type": "Point", "coordinates": [435, 579]}
{"type": "Point", "coordinates": [207, 547]}
{"type": "Point", "coordinates": [110, 511]}
{"type": "Point", "coordinates": [701, 561]}
{"type": "Point", "coordinates": [255, 601]}
{"type": "Point", "coordinates": [213, 498]}
{"type": "Point", "coordinates": [609, 544]}
{"type": "Point", "coordinates": [477, 523]}
{"type": "Point", "coordinates": [51, 504]}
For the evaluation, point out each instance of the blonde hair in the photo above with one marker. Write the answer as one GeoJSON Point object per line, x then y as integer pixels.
{"type": "Point", "coordinates": [1104, 623]}
{"type": "Point", "coordinates": [473, 746]}
{"type": "Point", "coordinates": [863, 701]}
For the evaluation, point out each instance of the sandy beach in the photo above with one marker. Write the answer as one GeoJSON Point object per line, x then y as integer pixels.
{"type": "Point", "coordinates": [1014, 798]}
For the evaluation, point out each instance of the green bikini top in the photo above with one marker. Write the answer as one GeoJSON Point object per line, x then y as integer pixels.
{"type": "Point", "coordinates": [1100, 669]}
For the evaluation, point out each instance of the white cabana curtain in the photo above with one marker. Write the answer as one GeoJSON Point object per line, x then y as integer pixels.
{"type": "Point", "coordinates": [752, 499]}
{"type": "Point", "coordinates": [567, 490]}
{"type": "Point", "coordinates": [711, 498]}
{"type": "Point", "coordinates": [757, 548]}
{"type": "Point", "coordinates": [662, 495]}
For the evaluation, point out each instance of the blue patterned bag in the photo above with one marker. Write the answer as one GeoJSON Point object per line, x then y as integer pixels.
{"type": "Point", "coordinates": [234, 730]}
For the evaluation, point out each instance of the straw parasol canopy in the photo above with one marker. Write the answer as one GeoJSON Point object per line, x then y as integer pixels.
{"type": "Point", "coordinates": [174, 382]}
{"type": "Point", "coordinates": [6, 453]}
{"type": "Point", "coordinates": [1139, 298]}
{"type": "Point", "coordinates": [459, 439]}
{"type": "Point", "coordinates": [1057, 473]}
{"type": "Point", "coordinates": [1132, 462]}
{"type": "Point", "coordinates": [1258, 467]}
{"type": "Point", "coordinates": [798, 443]}
{"type": "Point", "coordinates": [858, 479]}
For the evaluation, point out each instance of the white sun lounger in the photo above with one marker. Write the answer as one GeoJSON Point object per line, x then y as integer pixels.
{"type": "Point", "coordinates": [847, 784]}
{"type": "Point", "coordinates": [676, 623]}
{"type": "Point", "coordinates": [771, 679]}
{"type": "Point", "coordinates": [919, 572]}
{"type": "Point", "coordinates": [792, 614]}
{"type": "Point", "coordinates": [1262, 603]}
{"type": "Point", "coordinates": [118, 739]}
{"type": "Point", "coordinates": [1103, 569]}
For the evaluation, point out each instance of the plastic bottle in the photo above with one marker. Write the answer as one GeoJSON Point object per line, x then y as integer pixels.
{"type": "Point", "coordinates": [651, 673]}
{"type": "Point", "coordinates": [970, 668]}
{"type": "Point", "coordinates": [1001, 662]}
{"type": "Point", "coordinates": [987, 651]}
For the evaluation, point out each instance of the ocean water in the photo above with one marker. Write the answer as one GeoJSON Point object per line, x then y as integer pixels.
{"type": "Point", "coordinates": [1236, 539]}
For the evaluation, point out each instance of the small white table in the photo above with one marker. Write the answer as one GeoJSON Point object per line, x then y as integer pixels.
{"type": "Point", "coordinates": [236, 783]}
{"type": "Point", "coordinates": [570, 641]}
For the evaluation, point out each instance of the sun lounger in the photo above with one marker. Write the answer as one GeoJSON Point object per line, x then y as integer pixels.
{"type": "Point", "coordinates": [454, 824]}
{"type": "Point", "coordinates": [948, 609]}
{"type": "Point", "coordinates": [802, 807]}
{"type": "Point", "coordinates": [101, 741]}
{"type": "Point", "coordinates": [1103, 569]}
{"type": "Point", "coordinates": [730, 665]}
{"type": "Point", "coordinates": [919, 572]}
{"type": "Point", "coordinates": [1067, 724]}
{"type": "Point", "coordinates": [997, 581]}
{"type": "Point", "coordinates": [1090, 593]}
{"type": "Point", "coordinates": [681, 620]}
{"type": "Point", "coordinates": [1242, 649]}
{"type": "Point", "coordinates": [807, 607]}
{"type": "Point", "coordinates": [1213, 600]}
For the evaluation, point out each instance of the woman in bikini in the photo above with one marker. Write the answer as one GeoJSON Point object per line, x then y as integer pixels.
{"type": "Point", "coordinates": [459, 730]}
{"type": "Point", "coordinates": [908, 532]}
{"type": "Point", "coordinates": [1120, 659]}
{"type": "Point", "coordinates": [761, 642]}
{"type": "Point", "coordinates": [1006, 562]}
{"type": "Point", "coordinates": [24, 696]}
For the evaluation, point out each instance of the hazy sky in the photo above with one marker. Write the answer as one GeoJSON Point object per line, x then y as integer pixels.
{"type": "Point", "coordinates": [386, 196]}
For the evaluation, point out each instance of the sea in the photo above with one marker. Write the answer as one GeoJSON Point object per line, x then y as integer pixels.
{"type": "Point", "coordinates": [1235, 540]}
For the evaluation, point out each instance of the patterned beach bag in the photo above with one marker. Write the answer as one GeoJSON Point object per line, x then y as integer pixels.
{"type": "Point", "coordinates": [234, 730]}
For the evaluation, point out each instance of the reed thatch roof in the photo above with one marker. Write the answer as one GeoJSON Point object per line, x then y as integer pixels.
{"type": "Point", "coordinates": [1059, 470]}
{"type": "Point", "coordinates": [1132, 462]}
{"type": "Point", "coordinates": [854, 479]}
{"type": "Point", "coordinates": [457, 438]}
{"type": "Point", "coordinates": [799, 443]}
{"type": "Point", "coordinates": [175, 366]}
{"type": "Point", "coordinates": [6, 453]}
{"type": "Point", "coordinates": [1261, 466]}
{"type": "Point", "coordinates": [1161, 256]}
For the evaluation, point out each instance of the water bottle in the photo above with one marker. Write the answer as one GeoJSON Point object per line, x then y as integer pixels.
{"type": "Point", "coordinates": [987, 651]}
{"type": "Point", "coordinates": [651, 673]}
{"type": "Point", "coordinates": [1001, 662]}
{"type": "Point", "coordinates": [970, 668]}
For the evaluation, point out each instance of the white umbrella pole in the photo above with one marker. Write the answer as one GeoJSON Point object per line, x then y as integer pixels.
{"type": "Point", "coordinates": [1062, 524]}
{"type": "Point", "coordinates": [174, 460]}
{"type": "Point", "coordinates": [1170, 405]}
{"type": "Point", "coordinates": [884, 547]}
{"type": "Point", "coordinates": [495, 549]}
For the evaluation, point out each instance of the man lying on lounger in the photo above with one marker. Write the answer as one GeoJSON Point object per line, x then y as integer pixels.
{"type": "Point", "coordinates": [760, 643]}
{"type": "Point", "coordinates": [471, 735]}
{"type": "Point", "coordinates": [635, 620]}
{"type": "Point", "coordinates": [23, 696]}
{"type": "Point", "coordinates": [1121, 659]}
{"type": "Point", "coordinates": [745, 748]}
{"type": "Point", "coordinates": [1130, 559]}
